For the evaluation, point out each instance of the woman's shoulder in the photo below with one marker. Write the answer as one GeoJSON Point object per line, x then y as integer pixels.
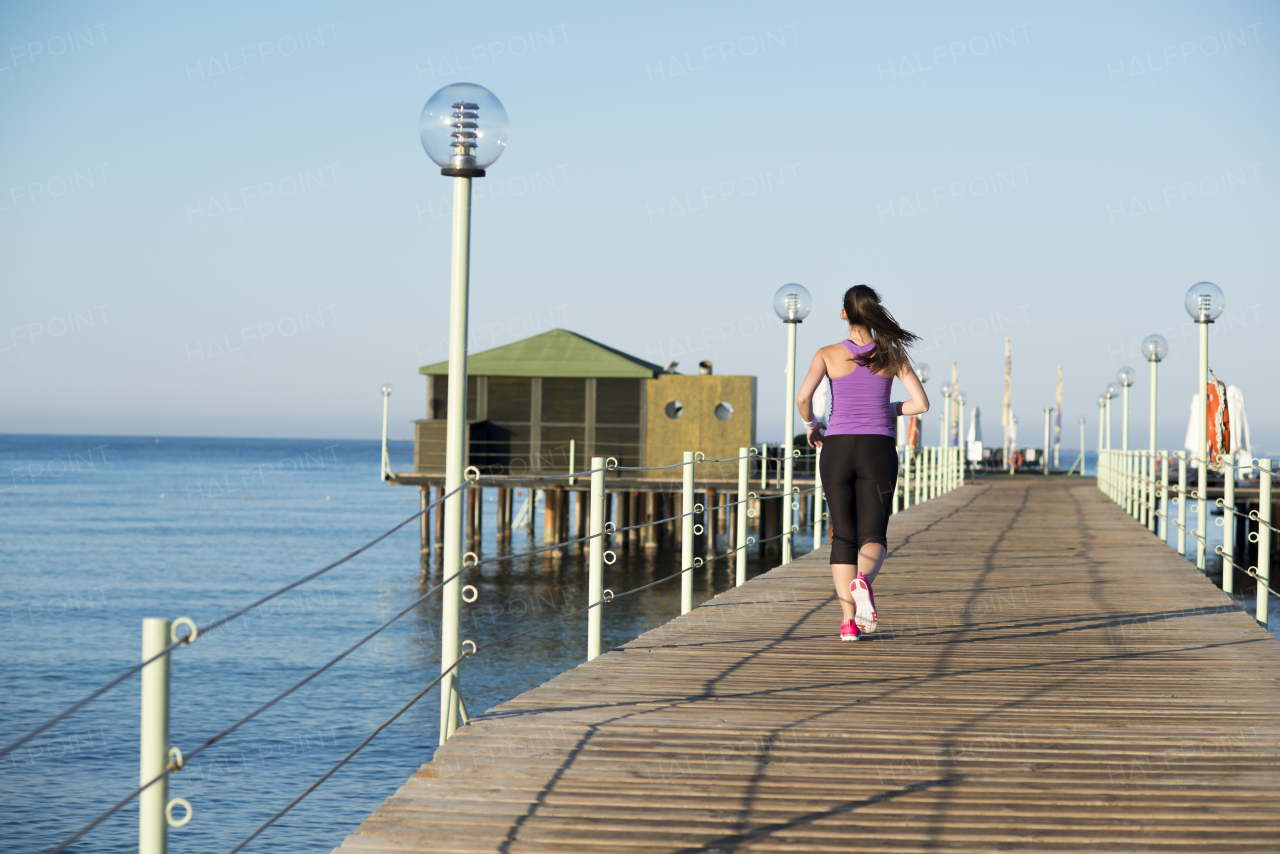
{"type": "Point", "coordinates": [837, 350]}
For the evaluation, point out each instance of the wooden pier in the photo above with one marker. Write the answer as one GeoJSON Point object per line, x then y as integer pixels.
{"type": "Point", "coordinates": [1047, 676]}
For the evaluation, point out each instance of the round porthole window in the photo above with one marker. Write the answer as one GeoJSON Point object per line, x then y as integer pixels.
{"type": "Point", "coordinates": [673, 409]}
{"type": "Point", "coordinates": [724, 410]}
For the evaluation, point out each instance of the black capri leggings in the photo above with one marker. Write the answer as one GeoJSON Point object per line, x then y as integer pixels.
{"type": "Point", "coordinates": [859, 474]}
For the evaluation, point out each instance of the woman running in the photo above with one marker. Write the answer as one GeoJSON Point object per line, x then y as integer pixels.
{"type": "Point", "coordinates": [859, 467]}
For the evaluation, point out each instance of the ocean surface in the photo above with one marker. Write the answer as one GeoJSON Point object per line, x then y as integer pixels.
{"type": "Point", "coordinates": [98, 533]}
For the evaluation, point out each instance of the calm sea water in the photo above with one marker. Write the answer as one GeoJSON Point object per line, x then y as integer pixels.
{"type": "Point", "coordinates": [100, 532]}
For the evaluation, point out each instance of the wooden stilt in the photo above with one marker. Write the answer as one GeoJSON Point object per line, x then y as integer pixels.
{"type": "Point", "coordinates": [713, 518]}
{"type": "Point", "coordinates": [424, 528]}
{"type": "Point", "coordinates": [471, 519]}
{"type": "Point", "coordinates": [731, 526]}
{"type": "Point", "coordinates": [548, 517]}
{"type": "Point", "coordinates": [650, 513]}
{"type": "Point", "coordinates": [439, 543]}
{"type": "Point", "coordinates": [580, 514]}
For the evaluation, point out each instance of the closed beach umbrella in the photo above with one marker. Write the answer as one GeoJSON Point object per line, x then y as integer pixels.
{"type": "Point", "coordinates": [975, 425]}
{"type": "Point", "coordinates": [1241, 443]}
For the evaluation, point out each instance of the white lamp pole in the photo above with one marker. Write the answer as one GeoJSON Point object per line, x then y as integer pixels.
{"type": "Point", "coordinates": [792, 304]}
{"type": "Point", "coordinates": [1204, 302]}
{"type": "Point", "coordinates": [1048, 416]}
{"type": "Point", "coordinates": [1125, 377]}
{"type": "Point", "coordinates": [463, 128]}
{"type": "Point", "coordinates": [962, 438]}
{"type": "Point", "coordinates": [386, 458]}
{"type": "Point", "coordinates": [945, 438]}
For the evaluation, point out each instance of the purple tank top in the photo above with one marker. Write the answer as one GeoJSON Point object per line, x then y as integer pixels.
{"type": "Point", "coordinates": [860, 399]}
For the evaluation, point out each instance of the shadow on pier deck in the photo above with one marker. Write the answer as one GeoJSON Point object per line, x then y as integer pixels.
{"type": "Point", "coordinates": [1047, 676]}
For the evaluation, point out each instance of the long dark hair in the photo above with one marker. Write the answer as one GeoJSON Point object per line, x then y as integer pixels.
{"type": "Point", "coordinates": [862, 307]}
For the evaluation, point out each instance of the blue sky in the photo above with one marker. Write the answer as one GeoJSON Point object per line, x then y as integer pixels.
{"type": "Point", "coordinates": [218, 220]}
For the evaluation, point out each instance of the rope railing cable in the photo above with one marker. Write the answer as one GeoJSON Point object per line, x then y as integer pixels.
{"type": "Point", "coordinates": [524, 479]}
{"type": "Point", "coordinates": [1251, 516]}
{"type": "Point", "coordinates": [314, 674]}
{"type": "Point", "coordinates": [476, 651]}
{"type": "Point", "coordinates": [370, 737]}
{"type": "Point", "coordinates": [216, 625]}
{"type": "Point", "coordinates": [253, 714]}
{"type": "Point", "coordinates": [435, 681]}
{"type": "Point", "coordinates": [1252, 572]}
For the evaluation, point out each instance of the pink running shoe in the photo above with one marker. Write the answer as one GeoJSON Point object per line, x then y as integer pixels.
{"type": "Point", "coordinates": [849, 631]}
{"type": "Point", "coordinates": [865, 603]}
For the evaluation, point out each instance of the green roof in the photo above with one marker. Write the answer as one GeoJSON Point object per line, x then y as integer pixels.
{"type": "Point", "coordinates": [557, 353]}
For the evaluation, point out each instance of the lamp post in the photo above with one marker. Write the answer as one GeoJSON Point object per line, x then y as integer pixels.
{"type": "Point", "coordinates": [1044, 462]}
{"type": "Point", "coordinates": [1125, 376]}
{"type": "Point", "coordinates": [1081, 447]}
{"type": "Point", "coordinates": [962, 438]}
{"type": "Point", "coordinates": [386, 458]}
{"type": "Point", "coordinates": [792, 303]}
{"type": "Point", "coordinates": [1204, 302]}
{"type": "Point", "coordinates": [463, 128]}
{"type": "Point", "coordinates": [1112, 391]}
{"type": "Point", "coordinates": [1154, 348]}
{"type": "Point", "coordinates": [1097, 463]}
{"type": "Point", "coordinates": [947, 390]}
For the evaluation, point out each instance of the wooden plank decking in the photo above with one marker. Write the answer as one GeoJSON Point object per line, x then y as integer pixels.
{"type": "Point", "coordinates": [1047, 676]}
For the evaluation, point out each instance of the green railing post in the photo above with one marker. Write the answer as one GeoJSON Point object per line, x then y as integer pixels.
{"type": "Point", "coordinates": [818, 498]}
{"type": "Point", "coordinates": [595, 557]}
{"type": "Point", "coordinates": [1229, 527]}
{"type": "Point", "coordinates": [1182, 502]}
{"type": "Point", "coordinates": [1264, 539]}
{"type": "Point", "coordinates": [686, 536]}
{"type": "Point", "coordinates": [1165, 463]}
{"type": "Point", "coordinates": [906, 476]}
{"type": "Point", "coordinates": [740, 537]}
{"type": "Point", "coordinates": [153, 828]}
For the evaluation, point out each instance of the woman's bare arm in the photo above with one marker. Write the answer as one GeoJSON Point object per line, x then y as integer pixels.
{"type": "Point", "coordinates": [919, 402]}
{"type": "Point", "coordinates": [804, 397]}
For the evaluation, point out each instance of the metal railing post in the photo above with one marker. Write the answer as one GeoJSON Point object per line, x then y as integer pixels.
{"type": "Point", "coordinates": [1153, 461]}
{"type": "Point", "coordinates": [906, 476]}
{"type": "Point", "coordinates": [686, 537]}
{"type": "Point", "coordinates": [897, 480]}
{"type": "Point", "coordinates": [819, 498]}
{"type": "Point", "coordinates": [1229, 527]}
{"type": "Point", "coordinates": [740, 538]}
{"type": "Point", "coordinates": [153, 828]}
{"type": "Point", "coordinates": [1165, 462]}
{"type": "Point", "coordinates": [1135, 508]}
{"type": "Point", "coordinates": [1264, 539]}
{"type": "Point", "coordinates": [1182, 502]}
{"type": "Point", "coordinates": [595, 557]}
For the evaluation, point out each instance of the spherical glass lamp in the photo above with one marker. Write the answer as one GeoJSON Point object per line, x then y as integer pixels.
{"type": "Point", "coordinates": [1155, 348]}
{"type": "Point", "coordinates": [463, 129]}
{"type": "Point", "coordinates": [1102, 400]}
{"type": "Point", "coordinates": [922, 371]}
{"type": "Point", "coordinates": [1204, 302]}
{"type": "Point", "coordinates": [386, 389]}
{"type": "Point", "coordinates": [962, 398]}
{"type": "Point", "coordinates": [1125, 377]}
{"type": "Point", "coordinates": [1113, 390]}
{"type": "Point", "coordinates": [947, 389]}
{"type": "Point", "coordinates": [792, 303]}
